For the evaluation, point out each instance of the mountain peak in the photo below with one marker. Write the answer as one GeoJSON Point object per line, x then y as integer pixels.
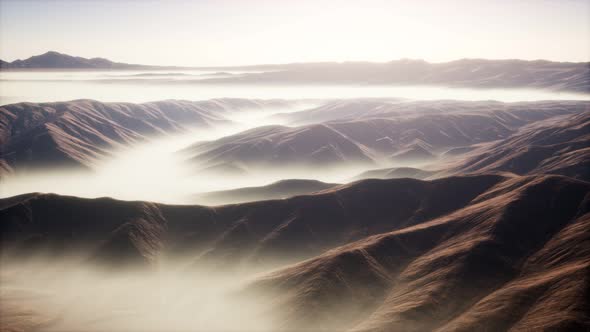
{"type": "Point", "coordinates": [53, 53]}
{"type": "Point", "coordinates": [57, 60]}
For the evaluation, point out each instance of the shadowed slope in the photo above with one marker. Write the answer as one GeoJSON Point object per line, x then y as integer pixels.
{"type": "Point", "coordinates": [454, 254]}
{"type": "Point", "coordinates": [516, 113]}
{"type": "Point", "coordinates": [55, 60]}
{"type": "Point", "coordinates": [468, 270]}
{"type": "Point", "coordinates": [258, 232]}
{"type": "Point", "coordinates": [551, 292]}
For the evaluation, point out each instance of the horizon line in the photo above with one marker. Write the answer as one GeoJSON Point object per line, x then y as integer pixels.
{"type": "Point", "coordinates": [299, 62]}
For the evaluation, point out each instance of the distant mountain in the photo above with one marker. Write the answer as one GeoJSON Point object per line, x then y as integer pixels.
{"type": "Point", "coordinates": [276, 190]}
{"type": "Point", "coordinates": [55, 60]}
{"type": "Point", "coordinates": [473, 73]}
{"type": "Point", "coordinates": [541, 74]}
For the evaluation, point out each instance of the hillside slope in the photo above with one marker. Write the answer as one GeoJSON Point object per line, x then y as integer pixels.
{"type": "Point", "coordinates": [554, 146]}
{"type": "Point", "coordinates": [78, 132]}
{"type": "Point", "coordinates": [249, 233]}
{"type": "Point", "coordinates": [468, 253]}
{"type": "Point", "coordinates": [516, 257]}
{"type": "Point", "coordinates": [376, 132]}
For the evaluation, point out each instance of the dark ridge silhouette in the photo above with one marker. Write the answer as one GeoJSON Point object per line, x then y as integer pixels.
{"type": "Point", "coordinates": [76, 133]}
{"type": "Point", "coordinates": [276, 190]}
{"type": "Point", "coordinates": [55, 60]}
{"type": "Point", "coordinates": [230, 235]}
{"type": "Point", "coordinates": [515, 257]}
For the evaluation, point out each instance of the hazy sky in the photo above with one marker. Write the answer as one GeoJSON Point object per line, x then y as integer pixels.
{"type": "Point", "coordinates": [222, 32]}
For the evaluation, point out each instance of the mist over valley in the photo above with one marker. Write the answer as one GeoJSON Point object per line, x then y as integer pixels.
{"type": "Point", "coordinates": [294, 166]}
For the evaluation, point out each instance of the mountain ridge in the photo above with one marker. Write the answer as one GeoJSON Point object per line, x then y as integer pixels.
{"type": "Point", "coordinates": [466, 270]}
{"type": "Point", "coordinates": [454, 254]}
{"type": "Point", "coordinates": [476, 73]}
{"type": "Point", "coordinates": [472, 73]}
{"type": "Point", "coordinates": [56, 60]}
{"type": "Point", "coordinates": [400, 132]}
{"type": "Point", "coordinates": [76, 133]}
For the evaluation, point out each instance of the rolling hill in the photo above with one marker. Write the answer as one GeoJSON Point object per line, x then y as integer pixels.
{"type": "Point", "coordinates": [248, 233]}
{"type": "Point", "coordinates": [513, 258]}
{"type": "Point", "coordinates": [472, 73]}
{"type": "Point", "coordinates": [553, 146]}
{"type": "Point", "coordinates": [376, 132]}
{"type": "Point", "coordinates": [76, 133]}
{"type": "Point", "coordinates": [454, 254]}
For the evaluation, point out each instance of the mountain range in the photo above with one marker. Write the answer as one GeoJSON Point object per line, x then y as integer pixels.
{"type": "Point", "coordinates": [453, 215]}
{"type": "Point", "coordinates": [77, 133]}
{"type": "Point", "coordinates": [454, 254]}
{"type": "Point", "coordinates": [554, 146]}
{"type": "Point", "coordinates": [55, 60]}
{"type": "Point", "coordinates": [365, 132]}
{"type": "Point", "coordinates": [377, 132]}
{"type": "Point", "coordinates": [276, 190]}
{"type": "Point", "coordinates": [515, 258]}
{"type": "Point", "coordinates": [472, 73]}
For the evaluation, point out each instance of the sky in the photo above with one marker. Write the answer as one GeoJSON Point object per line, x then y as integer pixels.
{"type": "Point", "coordinates": [240, 32]}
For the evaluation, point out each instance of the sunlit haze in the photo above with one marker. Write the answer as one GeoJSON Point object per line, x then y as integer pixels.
{"type": "Point", "coordinates": [235, 32]}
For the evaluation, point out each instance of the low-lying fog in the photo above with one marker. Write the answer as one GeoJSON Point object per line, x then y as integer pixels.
{"type": "Point", "coordinates": [143, 86]}
{"type": "Point", "coordinates": [156, 170]}
{"type": "Point", "coordinates": [50, 295]}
